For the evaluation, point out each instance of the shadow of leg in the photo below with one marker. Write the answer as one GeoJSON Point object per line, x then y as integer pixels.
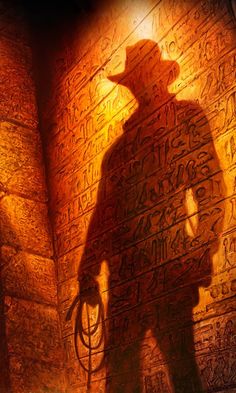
{"type": "Point", "coordinates": [124, 369]}
{"type": "Point", "coordinates": [178, 350]}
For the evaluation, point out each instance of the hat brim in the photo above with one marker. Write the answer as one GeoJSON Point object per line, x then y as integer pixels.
{"type": "Point", "coordinates": [121, 78]}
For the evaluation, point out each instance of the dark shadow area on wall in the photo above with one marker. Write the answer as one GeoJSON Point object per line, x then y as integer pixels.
{"type": "Point", "coordinates": [4, 363]}
{"type": "Point", "coordinates": [52, 25]}
{"type": "Point", "coordinates": [156, 225]}
{"type": "Point", "coordinates": [7, 237]}
{"type": "Point", "coordinates": [49, 23]}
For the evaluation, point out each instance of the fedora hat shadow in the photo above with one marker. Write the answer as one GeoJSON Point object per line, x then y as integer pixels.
{"type": "Point", "coordinates": [138, 55]}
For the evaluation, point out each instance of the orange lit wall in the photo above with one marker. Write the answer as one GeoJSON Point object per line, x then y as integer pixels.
{"type": "Point", "coordinates": [141, 193]}
{"type": "Point", "coordinates": [30, 345]}
{"type": "Point", "coordinates": [151, 216]}
{"type": "Point", "coordinates": [153, 227]}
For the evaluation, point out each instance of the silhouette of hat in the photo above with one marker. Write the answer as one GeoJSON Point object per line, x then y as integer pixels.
{"type": "Point", "coordinates": [145, 51]}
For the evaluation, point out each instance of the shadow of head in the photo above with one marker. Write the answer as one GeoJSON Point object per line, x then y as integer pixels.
{"type": "Point", "coordinates": [144, 65]}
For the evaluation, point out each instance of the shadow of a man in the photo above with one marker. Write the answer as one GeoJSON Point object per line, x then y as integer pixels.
{"type": "Point", "coordinates": [156, 225]}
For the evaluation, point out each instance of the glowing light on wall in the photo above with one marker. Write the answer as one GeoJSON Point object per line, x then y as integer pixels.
{"type": "Point", "coordinates": [199, 115]}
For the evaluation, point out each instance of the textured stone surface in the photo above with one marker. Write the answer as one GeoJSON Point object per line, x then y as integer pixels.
{"type": "Point", "coordinates": [142, 184]}
{"type": "Point", "coordinates": [31, 358]}
{"type": "Point", "coordinates": [21, 162]}
{"type": "Point", "coordinates": [28, 276]}
{"type": "Point", "coordinates": [143, 197]}
{"type": "Point", "coordinates": [37, 330]}
{"type": "Point", "coordinates": [24, 223]}
{"type": "Point", "coordinates": [33, 376]}
{"type": "Point", "coordinates": [20, 105]}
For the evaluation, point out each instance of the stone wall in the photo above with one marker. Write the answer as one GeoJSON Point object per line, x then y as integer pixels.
{"type": "Point", "coordinates": [142, 196]}
{"type": "Point", "coordinates": [31, 358]}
